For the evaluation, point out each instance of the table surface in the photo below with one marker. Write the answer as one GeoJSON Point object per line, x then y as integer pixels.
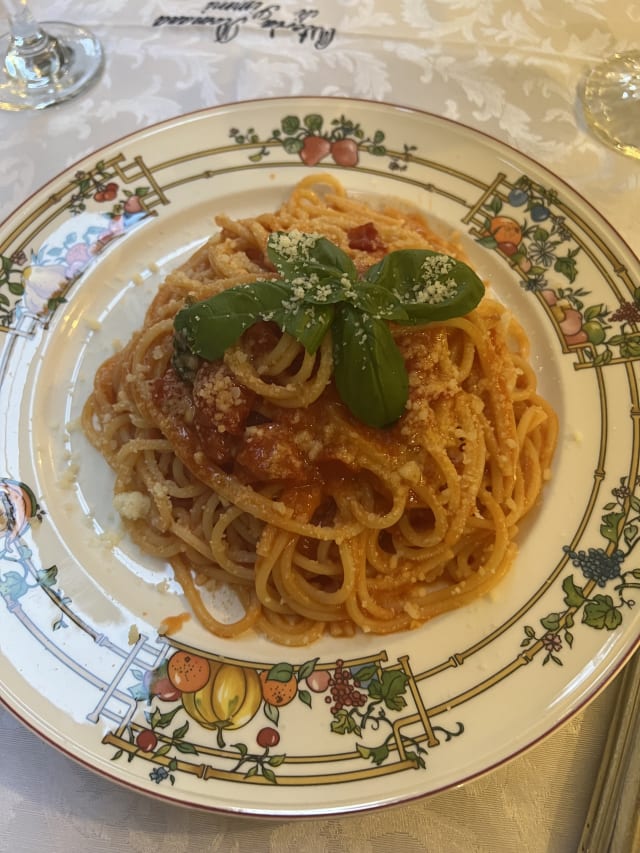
{"type": "Point", "coordinates": [510, 71]}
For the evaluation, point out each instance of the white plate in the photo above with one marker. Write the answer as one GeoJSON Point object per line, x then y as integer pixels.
{"type": "Point", "coordinates": [82, 607]}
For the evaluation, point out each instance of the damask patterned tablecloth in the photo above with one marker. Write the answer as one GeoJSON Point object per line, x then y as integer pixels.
{"type": "Point", "coordinates": [510, 70]}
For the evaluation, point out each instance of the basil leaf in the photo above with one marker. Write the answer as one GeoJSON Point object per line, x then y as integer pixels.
{"type": "Point", "coordinates": [323, 291]}
{"type": "Point", "coordinates": [320, 289]}
{"type": "Point", "coordinates": [213, 325]}
{"type": "Point", "coordinates": [308, 324]}
{"type": "Point", "coordinates": [379, 302]}
{"type": "Point", "coordinates": [185, 363]}
{"type": "Point", "coordinates": [431, 286]}
{"type": "Point", "coordinates": [369, 369]}
{"type": "Point", "coordinates": [295, 254]}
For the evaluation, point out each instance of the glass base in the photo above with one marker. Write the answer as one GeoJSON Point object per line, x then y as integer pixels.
{"type": "Point", "coordinates": [39, 76]}
{"type": "Point", "coordinates": [611, 102]}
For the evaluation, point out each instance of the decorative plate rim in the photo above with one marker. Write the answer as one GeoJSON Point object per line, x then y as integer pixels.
{"type": "Point", "coordinates": [524, 263]}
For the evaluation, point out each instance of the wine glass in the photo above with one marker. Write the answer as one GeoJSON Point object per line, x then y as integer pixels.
{"type": "Point", "coordinates": [610, 98]}
{"type": "Point", "coordinates": [43, 64]}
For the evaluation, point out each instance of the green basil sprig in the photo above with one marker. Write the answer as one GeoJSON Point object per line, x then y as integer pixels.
{"type": "Point", "coordinates": [320, 289]}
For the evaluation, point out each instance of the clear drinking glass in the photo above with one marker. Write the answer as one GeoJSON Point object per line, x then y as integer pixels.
{"type": "Point", "coordinates": [43, 64]}
{"type": "Point", "coordinates": [610, 98]}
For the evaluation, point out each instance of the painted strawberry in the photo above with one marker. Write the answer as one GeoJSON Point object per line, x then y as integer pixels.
{"type": "Point", "coordinates": [314, 149]}
{"type": "Point", "coordinates": [345, 152]}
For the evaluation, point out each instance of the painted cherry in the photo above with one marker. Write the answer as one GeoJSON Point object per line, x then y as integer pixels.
{"type": "Point", "coordinates": [147, 740]}
{"type": "Point", "coordinates": [107, 193]}
{"type": "Point", "coordinates": [267, 737]}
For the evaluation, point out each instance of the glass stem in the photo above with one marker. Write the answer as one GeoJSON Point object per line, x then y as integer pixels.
{"type": "Point", "coordinates": [34, 58]}
{"type": "Point", "coordinates": [23, 24]}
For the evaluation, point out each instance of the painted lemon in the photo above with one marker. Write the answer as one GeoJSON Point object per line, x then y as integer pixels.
{"type": "Point", "coordinates": [229, 699]}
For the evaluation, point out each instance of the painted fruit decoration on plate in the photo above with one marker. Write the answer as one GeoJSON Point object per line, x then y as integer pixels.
{"type": "Point", "coordinates": [227, 698]}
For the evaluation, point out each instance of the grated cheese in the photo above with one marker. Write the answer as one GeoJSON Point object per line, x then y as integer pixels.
{"type": "Point", "coordinates": [295, 245]}
{"type": "Point", "coordinates": [110, 538]}
{"type": "Point", "coordinates": [132, 505]}
{"type": "Point", "coordinates": [69, 476]}
{"type": "Point", "coordinates": [433, 287]}
{"type": "Point", "coordinates": [410, 471]}
{"type": "Point", "coordinates": [221, 394]}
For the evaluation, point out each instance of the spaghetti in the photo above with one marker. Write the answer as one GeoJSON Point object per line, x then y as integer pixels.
{"type": "Point", "coordinates": [255, 476]}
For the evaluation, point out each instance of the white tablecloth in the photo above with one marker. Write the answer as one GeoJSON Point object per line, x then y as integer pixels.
{"type": "Point", "coordinates": [508, 69]}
